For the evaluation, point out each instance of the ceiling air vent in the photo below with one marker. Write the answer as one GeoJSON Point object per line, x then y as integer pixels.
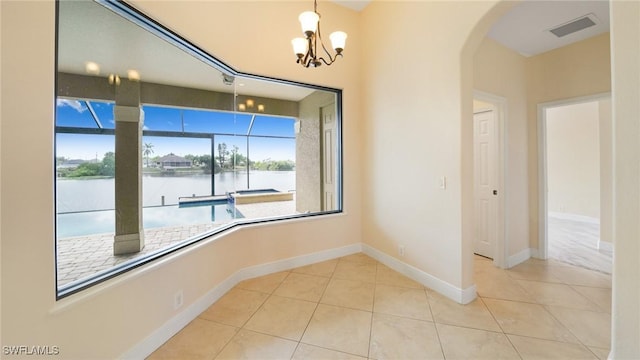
{"type": "Point", "coordinates": [575, 25]}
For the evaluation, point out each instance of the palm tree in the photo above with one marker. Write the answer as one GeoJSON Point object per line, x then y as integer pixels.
{"type": "Point", "coordinates": [148, 150]}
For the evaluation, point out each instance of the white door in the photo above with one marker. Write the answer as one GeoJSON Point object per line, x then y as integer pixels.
{"type": "Point", "coordinates": [328, 157]}
{"type": "Point", "coordinates": [485, 183]}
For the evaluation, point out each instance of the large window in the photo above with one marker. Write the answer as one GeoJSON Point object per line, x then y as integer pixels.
{"type": "Point", "coordinates": [159, 145]}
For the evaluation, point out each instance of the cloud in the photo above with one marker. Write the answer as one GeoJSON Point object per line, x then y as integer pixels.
{"type": "Point", "coordinates": [74, 104]}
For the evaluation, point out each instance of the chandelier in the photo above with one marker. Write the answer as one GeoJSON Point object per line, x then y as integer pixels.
{"type": "Point", "coordinates": [308, 49]}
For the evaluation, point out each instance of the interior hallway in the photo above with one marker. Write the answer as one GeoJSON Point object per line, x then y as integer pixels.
{"type": "Point", "coordinates": [357, 308]}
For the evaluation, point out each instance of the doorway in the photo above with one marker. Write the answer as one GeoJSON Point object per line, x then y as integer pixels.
{"type": "Point", "coordinates": [328, 128]}
{"type": "Point", "coordinates": [488, 174]}
{"type": "Point", "coordinates": [575, 180]}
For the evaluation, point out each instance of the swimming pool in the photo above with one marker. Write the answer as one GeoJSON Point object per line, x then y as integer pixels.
{"type": "Point", "coordinates": [238, 197]}
{"type": "Point", "coordinates": [99, 222]}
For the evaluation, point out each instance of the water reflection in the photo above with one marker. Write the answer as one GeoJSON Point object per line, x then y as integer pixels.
{"type": "Point", "coordinates": [100, 222]}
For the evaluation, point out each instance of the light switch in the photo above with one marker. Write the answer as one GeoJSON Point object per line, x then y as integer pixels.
{"type": "Point", "coordinates": [443, 182]}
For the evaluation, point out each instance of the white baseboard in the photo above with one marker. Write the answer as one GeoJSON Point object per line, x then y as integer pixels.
{"type": "Point", "coordinates": [147, 346]}
{"type": "Point", "coordinates": [604, 245]}
{"type": "Point", "coordinates": [294, 262]}
{"type": "Point", "coordinates": [574, 217]}
{"type": "Point", "coordinates": [520, 257]}
{"type": "Point", "coordinates": [180, 320]}
{"type": "Point", "coordinates": [461, 296]}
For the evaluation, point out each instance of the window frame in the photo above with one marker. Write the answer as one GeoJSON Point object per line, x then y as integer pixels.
{"type": "Point", "coordinates": [148, 24]}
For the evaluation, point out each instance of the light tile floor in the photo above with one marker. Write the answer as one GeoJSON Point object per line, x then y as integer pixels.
{"type": "Point", "coordinates": [357, 308]}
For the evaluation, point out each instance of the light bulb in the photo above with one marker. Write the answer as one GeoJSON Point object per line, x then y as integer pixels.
{"type": "Point", "coordinates": [299, 46]}
{"type": "Point", "coordinates": [309, 22]}
{"type": "Point", "coordinates": [338, 40]}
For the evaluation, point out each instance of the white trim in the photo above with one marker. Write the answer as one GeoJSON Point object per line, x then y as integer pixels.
{"type": "Point", "coordinates": [542, 163]}
{"type": "Point", "coordinates": [501, 111]}
{"type": "Point", "coordinates": [542, 183]}
{"type": "Point", "coordinates": [605, 245]}
{"type": "Point", "coordinates": [468, 295]}
{"type": "Point", "coordinates": [152, 342]}
{"type": "Point", "coordinates": [180, 320]}
{"type": "Point", "coordinates": [534, 253]}
{"type": "Point", "coordinates": [574, 217]}
{"type": "Point", "coordinates": [462, 296]}
{"type": "Point", "coordinates": [294, 262]}
{"type": "Point", "coordinates": [520, 257]}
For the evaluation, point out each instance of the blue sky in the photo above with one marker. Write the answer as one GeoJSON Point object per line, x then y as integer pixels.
{"type": "Point", "coordinates": [75, 113]}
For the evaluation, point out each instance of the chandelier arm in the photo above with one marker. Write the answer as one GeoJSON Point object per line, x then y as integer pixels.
{"type": "Point", "coordinates": [332, 59]}
{"type": "Point", "coordinates": [309, 56]}
{"type": "Point", "coordinates": [325, 61]}
{"type": "Point", "coordinates": [323, 47]}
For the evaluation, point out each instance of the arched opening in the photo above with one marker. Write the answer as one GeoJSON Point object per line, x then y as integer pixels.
{"type": "Point", "coordinates": [522, 245]}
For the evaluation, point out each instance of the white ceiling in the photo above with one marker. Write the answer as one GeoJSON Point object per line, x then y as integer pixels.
{"type": "Point", "coordinates": [525, 28]}
{"type": "Point", "coordinates": [357, 5]}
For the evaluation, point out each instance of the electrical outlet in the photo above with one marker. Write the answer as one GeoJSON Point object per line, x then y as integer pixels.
{"type": "Point", "coordinates": [401, 250]}
{"type": "Point", "coordinates": [178, 299]}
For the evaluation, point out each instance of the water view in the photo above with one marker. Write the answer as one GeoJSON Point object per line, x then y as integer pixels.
{"type": "Point", "coordinates": [86, 206]}
{"type": "Point", "coordinates": [75, 195]}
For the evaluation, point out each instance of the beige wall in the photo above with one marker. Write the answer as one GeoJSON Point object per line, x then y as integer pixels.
{"type": "Point", "coordinates": [110, 318]}
{"type": "Point", "coordinates": [625, 57]}
{"type": "Point", "coordinates": [573, 159]}
{"type": "Point", "coordinates": [580, 69]}
{"type": "Point", "coordinates": [413, 134]}
{"type": "Point", "coordinates": [500, 71]}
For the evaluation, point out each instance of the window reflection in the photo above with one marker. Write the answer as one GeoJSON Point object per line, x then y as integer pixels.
{"type": "Point", "coordinates": [165, 159]}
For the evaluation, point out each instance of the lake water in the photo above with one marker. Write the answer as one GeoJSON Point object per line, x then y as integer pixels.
{"type": "Point", "coordinates": [99, 194]}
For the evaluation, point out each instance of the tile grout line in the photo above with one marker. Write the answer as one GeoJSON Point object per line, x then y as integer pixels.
{"type": "Point", "coordinates": [435, 324]}
{"type": "Point", "coordinates": [373, 306]}
{"type": "Point", "coordinates": [314, 312]}
{"type": "Point", "coordinates": [242, 327]}
{"type": "Point", "coordinates": [564, 326]}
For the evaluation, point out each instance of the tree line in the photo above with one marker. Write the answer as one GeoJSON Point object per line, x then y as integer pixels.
{"type": "Point", "coordinates": [106, 167]}
{"type": "Point", "coordinates": [226, 160]}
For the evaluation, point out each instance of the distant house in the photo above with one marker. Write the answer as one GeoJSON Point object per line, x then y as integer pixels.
{"type": "Point", "coordinates": [173, 161]}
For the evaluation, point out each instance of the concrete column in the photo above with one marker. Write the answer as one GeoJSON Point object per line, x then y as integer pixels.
{"type": "Point", "coordinates": [129, 120]}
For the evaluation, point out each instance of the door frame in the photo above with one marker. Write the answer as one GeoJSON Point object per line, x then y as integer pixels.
{"type": "Point", "coordinates": [543, 211]}
{"type": "Point", "coordinates": [501, 246]}
{"type": "Point", "coordinates": [323, 202]}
